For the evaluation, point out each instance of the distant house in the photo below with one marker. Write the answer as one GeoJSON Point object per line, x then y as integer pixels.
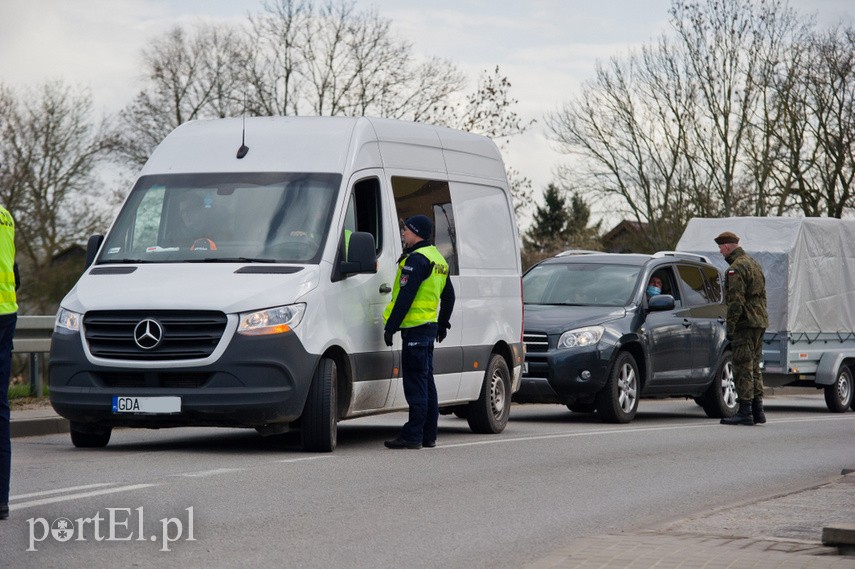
{"type": "Point", "coordinates": [626, 237]}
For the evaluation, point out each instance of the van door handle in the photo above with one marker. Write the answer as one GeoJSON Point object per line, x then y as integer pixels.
{"type": "Point", "coordinates": [687, 322]}
{"type": "Point", "coordinates": [384, 288]}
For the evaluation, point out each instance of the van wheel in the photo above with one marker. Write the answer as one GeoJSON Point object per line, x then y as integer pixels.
{"type": "Point", "coordinates": [319, 424]}
{"type": "Point", "coordinates": [838, 395]}
{"type": "Point", "coordinates": [617, 402]}
{"type": "Point", "coordinates": [719, 400]}
{"type": "Point", "coordinates": [489, 414]}
{"type": "Point", "coordinates": [87, 438]}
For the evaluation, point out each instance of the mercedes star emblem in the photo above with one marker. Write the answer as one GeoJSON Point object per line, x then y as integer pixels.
{"type": "Point", "coordinates": [148, 334]}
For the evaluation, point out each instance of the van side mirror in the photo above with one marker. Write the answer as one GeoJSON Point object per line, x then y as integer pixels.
{"type": "Point", "coordinates": [661, 302]}
{"type": "Point", "coordinates": [360, 254]}
{"type": "Point", "coordinates": [92, 247]}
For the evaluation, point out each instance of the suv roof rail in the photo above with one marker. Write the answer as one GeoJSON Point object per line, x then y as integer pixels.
{"type": "Point", "coordinates": [681, 255]}
{"type": "Point", "coordinates": [576, 252]}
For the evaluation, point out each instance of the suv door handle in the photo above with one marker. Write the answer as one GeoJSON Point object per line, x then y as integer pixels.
{"type": "Point", "coordinates": [384, 288]}
{"type": "Point", "coordinates": [687, 322]}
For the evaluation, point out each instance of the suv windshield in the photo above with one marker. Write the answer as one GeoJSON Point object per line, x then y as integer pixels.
{"type": "Point", "coordinates": [273, 217]}
{"type": "Point", "coordinates": [591, 284]}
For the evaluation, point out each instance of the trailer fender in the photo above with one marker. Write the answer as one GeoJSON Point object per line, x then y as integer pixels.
{"type": "Point", "coordinates": [829, 365]}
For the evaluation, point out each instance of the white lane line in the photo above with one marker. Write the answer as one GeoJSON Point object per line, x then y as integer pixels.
{"type": "Point", "coordinates": [303, 459]}
{"type": "Point", "coordinates": [61, 490]}
{"type": "Point", "coordinates": [629, 430]}
{"type": "Point", "coordinates": [214, 472]}
{"type": "Point", "coordinates": [44, 501]}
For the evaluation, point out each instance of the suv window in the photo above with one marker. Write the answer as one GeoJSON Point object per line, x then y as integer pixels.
{"type": "Point", "coordinates": [694, 284]}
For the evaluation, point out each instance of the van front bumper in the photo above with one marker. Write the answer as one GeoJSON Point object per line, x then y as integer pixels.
{"type": "Point", "coordinates": [258, 381]}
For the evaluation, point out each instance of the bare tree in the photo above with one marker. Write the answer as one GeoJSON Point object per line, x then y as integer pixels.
{"type": "Point", "coordinates": [330, 59]}
{"type": "Point", "coordinates": [629, 128]}
{"type": "Point", "coordinates": [50, 149]}
{"type": "Point", "coordinates": [188, 76]}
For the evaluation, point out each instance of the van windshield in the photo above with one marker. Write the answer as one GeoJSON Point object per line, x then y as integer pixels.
{"type": "Point", "coordinates": [584, 284]}
{"type": "Point", "coordinates": [235, 217]}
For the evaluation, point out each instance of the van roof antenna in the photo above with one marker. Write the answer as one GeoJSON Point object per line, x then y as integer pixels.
{"type": "Point", "coordinates": [243, 147]}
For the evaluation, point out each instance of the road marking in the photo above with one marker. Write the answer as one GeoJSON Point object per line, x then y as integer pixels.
{"type": "Point", "coordinates": [44, 501]}
{"type": "Point", "coordinates": [213, 472]}
{"type": "Point", "coordinates": [620, 431]}
{"type": "Point", "coordinates": [60, 490]}
{"type": "Point", "coordinates": [302, 459]}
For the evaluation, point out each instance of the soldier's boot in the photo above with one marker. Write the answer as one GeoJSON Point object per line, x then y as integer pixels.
{"type": "Point", "coordinates": [757, 411]}
{"type": "Point", "coordinates": [743, 415]}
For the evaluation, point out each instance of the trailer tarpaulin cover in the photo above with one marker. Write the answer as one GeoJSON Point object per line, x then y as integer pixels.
{"type": "Point", "coordinates": [809, 265]}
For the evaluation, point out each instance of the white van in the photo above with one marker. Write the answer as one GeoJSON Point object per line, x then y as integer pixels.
{"type": "Point", "coordinates": [243, 282]}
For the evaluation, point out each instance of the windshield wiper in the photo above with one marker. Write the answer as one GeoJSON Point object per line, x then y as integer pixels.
{"type": "Point", "coordinates": [234, 260]}
{"type": "Point", "coordinates": [121, 261]}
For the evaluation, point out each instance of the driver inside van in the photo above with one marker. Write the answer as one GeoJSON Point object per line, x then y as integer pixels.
{"type": "Point", "coordinates": [194, 217]}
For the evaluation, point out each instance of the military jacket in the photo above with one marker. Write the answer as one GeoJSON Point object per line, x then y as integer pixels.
{"type": "Point", "coordinates": [745, 292]}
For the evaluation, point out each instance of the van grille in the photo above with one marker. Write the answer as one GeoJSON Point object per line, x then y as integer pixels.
{"type": "Point", "coordinates": [185, 334]}
{"type": "Point", "coordinates": [535, 342]}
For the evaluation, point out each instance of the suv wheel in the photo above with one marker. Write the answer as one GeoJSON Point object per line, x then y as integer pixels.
{"type": "Point", "coordinates": [719, 401]}
{"type": "Point", "coordinates": [618, 400]}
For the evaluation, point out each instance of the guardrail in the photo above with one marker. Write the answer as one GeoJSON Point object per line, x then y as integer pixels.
{"type": "Point", "coordinates": [32, 336]}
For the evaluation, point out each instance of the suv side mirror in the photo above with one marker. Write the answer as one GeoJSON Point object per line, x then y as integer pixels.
{"type": "Point", "coordinates": [360, 254]}
{"type": "Point", "coordinates": [661, 302]}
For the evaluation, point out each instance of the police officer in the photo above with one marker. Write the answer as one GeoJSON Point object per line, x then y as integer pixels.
{"type": "Point", "coordinates": [9, 282]}
{"type": "Point", "coordinates": [745, 294]}
{"type": "Point", "coordinates": [421, 286]}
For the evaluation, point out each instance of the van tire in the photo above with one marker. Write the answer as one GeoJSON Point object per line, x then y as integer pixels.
{"type": "Point", "coordinates": [719, 400]}
{"type": "Point", "coordinates": [489, 414]}
{"type": "Point", "coordinates": [86, 438]}
{"type": "Point", "coordinates": [319, 423]}
{"type": "Point", "coordinates": [617, 401]}
{"type": "Point", "coordinates": [839, 395]}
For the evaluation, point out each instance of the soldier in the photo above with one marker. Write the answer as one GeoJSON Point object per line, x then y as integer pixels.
{"type": "Point", "coordinates": [745, 294]}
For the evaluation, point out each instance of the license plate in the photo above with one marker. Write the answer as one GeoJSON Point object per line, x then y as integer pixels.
{"type": "Point", "coordinates": [152, 405]}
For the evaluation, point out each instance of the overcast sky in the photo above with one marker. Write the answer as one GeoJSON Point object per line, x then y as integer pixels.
{"type": "Point", "coordinates": [547, 48]}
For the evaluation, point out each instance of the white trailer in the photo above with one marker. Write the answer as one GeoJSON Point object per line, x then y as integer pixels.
{"type": "Point", "coordinates": [809, 265]}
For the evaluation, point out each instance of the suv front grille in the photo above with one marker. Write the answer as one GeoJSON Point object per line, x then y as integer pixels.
{"type": "Point", "coordinates": [185, 334]}
{"type": "Point", "coordinates": [535, 342]}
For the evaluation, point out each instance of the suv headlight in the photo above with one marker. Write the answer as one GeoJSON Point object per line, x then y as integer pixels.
{"type": "Point", "coordinates": [271, 321]}
{"type": "Point", "coordinates": [581, 337]}
{"type": "Point", "coordinates": [67, 322]}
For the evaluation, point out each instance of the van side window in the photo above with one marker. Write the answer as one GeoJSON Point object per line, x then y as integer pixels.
{"type": "Point", "coordinates": [431, 198]}
{"type": "Point", "coordinates": [363, 211]}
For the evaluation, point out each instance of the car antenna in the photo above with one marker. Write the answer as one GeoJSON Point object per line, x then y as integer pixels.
{"type": "Point", "coordinates": [243, 147]}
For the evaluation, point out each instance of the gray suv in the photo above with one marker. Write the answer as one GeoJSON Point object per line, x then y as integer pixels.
{"type": "Point", "coordinates": [597, 340]}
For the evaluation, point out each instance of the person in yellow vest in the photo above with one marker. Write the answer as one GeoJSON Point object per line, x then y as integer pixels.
{"type": "Point", "coordinates": [9, 283]}
{"type": "Point", "coordinates": [421, 306]}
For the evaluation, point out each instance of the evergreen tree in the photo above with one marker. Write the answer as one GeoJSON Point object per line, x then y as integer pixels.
{"type": "Point", "coordinates": [559, 225]}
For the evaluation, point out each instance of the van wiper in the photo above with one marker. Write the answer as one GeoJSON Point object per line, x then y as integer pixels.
{"type": "Point", "coordinates": [237, 260]}
{"type": "Point", "coordinates": [122, 262]}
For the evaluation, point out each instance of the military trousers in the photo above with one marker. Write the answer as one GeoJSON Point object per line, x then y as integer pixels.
{"type": "Point", "coordinates": [747, 345]}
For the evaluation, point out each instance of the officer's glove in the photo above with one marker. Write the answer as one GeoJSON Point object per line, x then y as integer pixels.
{"type": "Point", "coordinates": [442, 332]}
{"type": "Point", "coordinates": [387, 337]}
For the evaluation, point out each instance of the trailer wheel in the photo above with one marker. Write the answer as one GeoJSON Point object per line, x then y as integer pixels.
{"type": "Point", "coordinates": [838, 395]}
{"type": "Point", "coordinates": [319, 424]}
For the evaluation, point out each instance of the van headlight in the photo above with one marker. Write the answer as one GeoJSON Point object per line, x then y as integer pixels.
{"type": "Point", "coordinates": [67, 322]}
{"type": "Point", "coordinates": [581, 337]}
{"type": "Point", "coordinates": [271, 321]}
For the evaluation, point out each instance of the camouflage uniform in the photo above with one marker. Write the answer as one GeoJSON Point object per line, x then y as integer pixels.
{"type": "Point", "coordinates": [745, 294]}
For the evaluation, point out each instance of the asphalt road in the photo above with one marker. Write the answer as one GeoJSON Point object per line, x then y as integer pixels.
{"type": "Point", "coordinates": [474, 501]}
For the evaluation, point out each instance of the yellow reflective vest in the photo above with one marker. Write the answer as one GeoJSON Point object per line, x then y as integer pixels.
{"type": "Point", "coordinates": [425, 305]}
{"type": "Point", "coordinates": [8, 300]}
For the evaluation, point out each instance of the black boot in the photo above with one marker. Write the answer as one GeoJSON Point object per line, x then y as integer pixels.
{"type": "Point", "coordinates": [757, 411]}
{"type": "Point", "coordinates": [742, 417]}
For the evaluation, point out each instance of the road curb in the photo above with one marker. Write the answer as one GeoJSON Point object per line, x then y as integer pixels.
{"type": "Point", "coordinates": [38, 426]}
